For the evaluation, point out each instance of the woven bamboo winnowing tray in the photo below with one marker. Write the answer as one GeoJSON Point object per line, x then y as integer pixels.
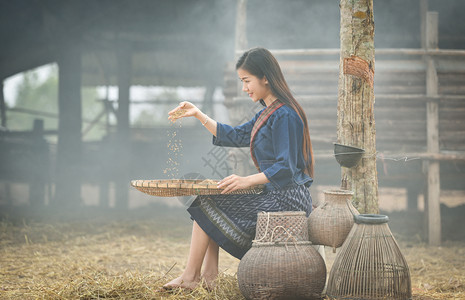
{"type": "Point", "coordinates": [185, 187]}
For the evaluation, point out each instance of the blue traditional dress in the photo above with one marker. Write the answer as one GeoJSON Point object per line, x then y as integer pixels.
{"type": "Point", "coordinates": [275, 137]}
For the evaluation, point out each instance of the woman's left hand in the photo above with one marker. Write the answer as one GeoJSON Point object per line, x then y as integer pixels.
{"type": "Point", "coordinates": [233, 182]}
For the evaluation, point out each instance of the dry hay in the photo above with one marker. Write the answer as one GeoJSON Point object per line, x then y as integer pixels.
{"type": "Point", "coordinates": [133, 258]}
{"type": "Point", "coordinates": [128, 259]}
{"type": "Point", "coordinates": [437, 272]}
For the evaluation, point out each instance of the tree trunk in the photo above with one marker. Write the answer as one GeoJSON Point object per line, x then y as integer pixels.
{"type": "Point", "coordinates": [356, 122]}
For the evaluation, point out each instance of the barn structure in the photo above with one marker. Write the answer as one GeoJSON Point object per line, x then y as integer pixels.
{"type": "Point", "coordinates": [419, 88]}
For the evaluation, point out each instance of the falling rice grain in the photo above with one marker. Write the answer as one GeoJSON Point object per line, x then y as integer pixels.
{"type": "Point", "coordinates": [174, 149]}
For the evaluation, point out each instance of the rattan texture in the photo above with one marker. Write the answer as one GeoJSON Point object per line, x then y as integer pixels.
{"type": "Point", "coordinates": [369, 265]}
{"type": "Point", "coordinates": [185, 187]}
{"type": "Point", "coordinates": [330, 223]}
{"type": "Point", "coordinates": [293, 270]}
{"type": "Point", "coordinates": [281, 226]}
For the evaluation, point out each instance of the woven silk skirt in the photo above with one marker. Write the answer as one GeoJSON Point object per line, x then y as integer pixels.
{"type": "Point", "coordinates": [230, 220]}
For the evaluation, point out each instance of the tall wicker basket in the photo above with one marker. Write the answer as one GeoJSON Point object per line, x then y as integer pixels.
{"type": "Point", "coordinates": [330, 223]}
{"type": "Point", "coordinates": [370, 264]}
{"type": "Point", "coordinates": [292, 270]}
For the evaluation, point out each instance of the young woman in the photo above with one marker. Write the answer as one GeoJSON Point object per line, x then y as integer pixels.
{"type": "Point", "coordinates": [281, 149]}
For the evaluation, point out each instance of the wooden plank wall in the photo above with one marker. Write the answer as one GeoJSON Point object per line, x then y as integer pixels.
{"type": "Point", "coordinates": [400, 111]}
{"type": "Point", "coordinates": [400, 101]}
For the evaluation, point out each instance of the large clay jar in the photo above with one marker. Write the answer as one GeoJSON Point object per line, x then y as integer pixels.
{"type": "Point", "coordinates": [330, 223]}
{"type": "Point", "coordinates": [370, 264]}
{"type": "Point", "coordinates": [293, 270]}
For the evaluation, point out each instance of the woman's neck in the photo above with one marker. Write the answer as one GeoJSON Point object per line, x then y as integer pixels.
{"type": "Point", "coordinates": [269, 100]}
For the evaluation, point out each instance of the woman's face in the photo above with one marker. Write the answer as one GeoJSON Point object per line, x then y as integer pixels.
{"type": "Point", "coordinates": [255, 87]}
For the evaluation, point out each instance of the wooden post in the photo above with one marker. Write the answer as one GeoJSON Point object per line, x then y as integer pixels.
{"type": "Point", "coordinates": [241, 34]}
{"type": "Point", "coordinates": [208, 105]}
{"type": "Point", "coordinates": [241, 26]}
{"type": "Point", "coordinates": [68, 172]}
{"type": "Point", "coordinates": [423, 12]}
{"type": "Point", "coordinates": [124, 85]}
{"type": "Point", "coordinates": [123, 135]}
{"type": "Point", "coordinates": [432, 131]}
{"type": "Point", "coordinates": [355, 111]}
{"type": "Point", "coordinates": [412, 198]}
{"type": "Point", "coordinates": [2, 107]}
{"type": "Point", "coordinates": [39, 166]}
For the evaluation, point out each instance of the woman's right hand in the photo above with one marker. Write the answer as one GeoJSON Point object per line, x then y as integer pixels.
{"type": "Point", "coordinates": [184, 109]}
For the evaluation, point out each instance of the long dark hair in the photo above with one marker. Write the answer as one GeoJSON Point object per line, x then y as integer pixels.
{"type": "Point", "coordinates": [261, 63]}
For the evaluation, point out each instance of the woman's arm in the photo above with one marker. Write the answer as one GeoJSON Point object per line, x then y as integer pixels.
{"type": "Point", "coordinates": [207, 122]}
{"type": "Point", "coordinates": [187, 109]}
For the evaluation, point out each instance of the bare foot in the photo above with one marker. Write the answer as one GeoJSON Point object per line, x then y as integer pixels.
{"type": "Point", "coordinates": [209, 281]}
{"type": "Point", "coordinates": [181, 283]}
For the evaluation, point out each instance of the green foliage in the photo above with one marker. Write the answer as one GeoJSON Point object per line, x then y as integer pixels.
{"type": "Point", "coordinates": [35, 94]}
{"type": "Point", "coordinates": [40, 97]}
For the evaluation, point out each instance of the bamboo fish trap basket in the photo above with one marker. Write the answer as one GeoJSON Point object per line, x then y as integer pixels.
{"type": "Point", "coordinates": [185, 187]}
{"type": "Point", "coordinates": [369, 264]}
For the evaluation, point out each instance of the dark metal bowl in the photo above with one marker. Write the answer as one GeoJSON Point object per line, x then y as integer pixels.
{"type": "Point", "coordinates": [347, 156]}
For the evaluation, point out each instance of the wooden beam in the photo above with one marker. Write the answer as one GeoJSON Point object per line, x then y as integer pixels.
{"type": "Point", "coordinates": [2, 107]}
{"type": "Point", "coordinates": [432, 133]}
{"type": "Point", "coordinates": [431, 52]}
{"type": "Point", "coordinates": [241, 27]}
{"type": "Point", "coordinates": [423, 97]}
{"type": "Point", "coordinates": [123, 136]}
{"type": "Point", "coordinates": [379, 51]}
{"type": "Point", "coordinates": [68, 177]}
{"type": "Point", "coordinates": [441, 156]}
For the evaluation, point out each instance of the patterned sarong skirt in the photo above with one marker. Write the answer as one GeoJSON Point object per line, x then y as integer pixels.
{"type": "Point", "coordinates": [230, 220]}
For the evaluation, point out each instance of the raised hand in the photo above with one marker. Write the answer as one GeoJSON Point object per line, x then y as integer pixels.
{"type": "Point", "coordinates": [183, 110]}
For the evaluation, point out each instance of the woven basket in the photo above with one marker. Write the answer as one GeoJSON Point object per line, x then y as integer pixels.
{"type": "Point", "coordinates": [281, 226]}
{"type": "Point", "coordinates": [185, 187]}
{"type": "Point", "coordinates": [370, 265]}
{"type": "Point", "coordinates": [293, 270]}
{"type": "Point", "coordinates": [330, 223]}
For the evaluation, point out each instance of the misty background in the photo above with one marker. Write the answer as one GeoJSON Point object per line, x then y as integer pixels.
{"type": "Point", "coordinates": [178, 50]}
